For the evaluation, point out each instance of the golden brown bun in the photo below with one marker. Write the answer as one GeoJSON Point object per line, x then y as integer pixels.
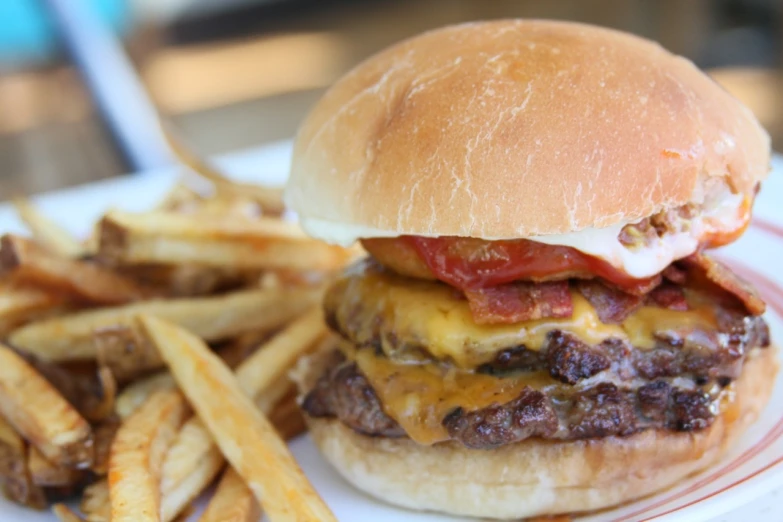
{"type": "Point", "coordinates": [537, 477]}
{"type": "Point", "coordinates": [515, 128]}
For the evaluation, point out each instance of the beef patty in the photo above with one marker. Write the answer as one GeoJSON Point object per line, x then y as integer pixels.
{"type": "Point", "coordinates": [568, 413]}
{"type": "Point", "coordinates": [698, 329]}
{"type": "Point", "coordinates": [711, 352]}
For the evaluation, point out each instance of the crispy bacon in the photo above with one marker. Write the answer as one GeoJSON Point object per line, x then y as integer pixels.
{"type": "Point", "coordinates": [611, 304]}
{"type": "Point", "coordinates": [515, 302]}
{"type": "Point", "coordinates": [668, 296]}
{"type": "Point", "coordinates": [722, 276]}
{"type": "Point", "coordinates": [675, 274]}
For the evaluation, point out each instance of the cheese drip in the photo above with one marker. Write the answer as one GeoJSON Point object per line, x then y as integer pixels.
{"type": "Point", "coordinates": [433, 317]}
{"type": "Point", "coordinates": [419, 396]}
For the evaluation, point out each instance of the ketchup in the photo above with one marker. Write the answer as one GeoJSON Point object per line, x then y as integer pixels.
{"type": "Point", "coordinates": [472, 264]}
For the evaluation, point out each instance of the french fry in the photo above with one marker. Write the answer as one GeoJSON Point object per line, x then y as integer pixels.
{"type": "Point", "coordinates": [103, 407]}
{"type": "Point", "coordinates": [273, 393]}
{"type": "Point", "coordinates": [15, 479]}
{"type": "Point", "coordinates": [65, 514]}
{"type": "Point", "coordinates": [104, 436]}
{"type": "Point", "coordinates": [126, 353]}
{"type": "Point", "coordinates": [232, 502]}
{"type": "Point", "coordinates": [95, 503]}
{"type": "Point", "coordinates": [221, 241]}
{"type": "Point", "coordinates": [177, 499]}
{"type": "Point", "coordinates": [237, 206]}
{"type": "Point", "coordinates": [180, 195]}
{"type": "Point", "coordinates": [287, 418]}
{"type": "Point", "coordinates": [184, 280]}
{"type": "Point", "coordinates": [134, 395]}
{"type": "Point", "coordinates": [136, 456]}
{"type": "Point", "coordinates": [46, 231]}
{"type": "Point", "coordinates": [41, 415]}
{"type": "Point", "coordinates": [237, 350]}
{"type": "Point", "coordinates": [237, 426]}
{"type": "Point", "coordinates": [71, 337]}
{"type": "Point", "coordinates": [20, 304]}
{"type": "Point", "coordinates": [271, 199]}
{"type": "Point", "coordinates": [92, 393]}
{"type": "Point", "coordinates": [192, 445]}
{"type": "Point", "coordinates": [28, 263]}
{"type": "Point", "coordinates": [269, 363]}
{"type": "Point", "coordinates": [45, 473]}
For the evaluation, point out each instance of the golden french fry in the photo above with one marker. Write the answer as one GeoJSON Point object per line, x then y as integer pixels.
{"type": "Point", "coordinates": [193, 444]}
{"type": "Point", "coordinates": [45, 473]}
{"type": "Point", "coordinates": [221, 241]}
{"type": "Point", "coordinates": [271, 199]}
{"type": "Point", "coordinates": [20, 304]}
{"type": "Point", "coordinates": [92, 394]}
{"type": "Point", "coordinates": [185, 200]}
{"type": "Point", "coordinates": [65, 514]}
{"type": "Point", "coordinates": [15, 479]}
{"type": "Point", "coordinates": [28, 263]}
{"type": "Point", "coordinates": [267, 400]}
{"type": "Point", "coordinates": [232, 502]}
{"type": "Point", "coordinates": [177, 499]}
{"type": "Point", "coordinates": [136, 456]}
{"type": "Point", "coordinates": [179, 195]}
{"type": "Point", "coordinates": [234, 352]}
{"type": "Point", "coordinates": [24, 492]}
{"type": "Point", "coordinates": [71, 337]}
{"type": "Point", "coordinates": [244, 435]}
{"type": "Point", "coordinates": [240, 207]}
{"type": "Point", "coordinates": [135, 394]}
{"type": "Point", "coordinates": [41, 415]}
{"type": "Point", "coordinates": [125, 352]}
{"type": "Point", "coordinates": [184, 280]}
{"type": "Point", "coordinates": [103, 406]}
{"type": "Point", "coordinates": [270, 362]}
{"type": "Point", "coordinates": [186, 514]}
{"type": "Point", "coordinates": [104, 436]}
{"type": "Point", "coordinates": [12, 448]}
{"type": "Point", "coordinates": [287, 417]}
{"type": "Point", "coordinates": [46, 231]}
{"type": "Point", "coordinates": [95, 503]}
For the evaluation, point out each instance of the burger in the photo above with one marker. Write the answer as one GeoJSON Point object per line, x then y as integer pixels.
{"type": "Point", "coordinates": [538, 327]}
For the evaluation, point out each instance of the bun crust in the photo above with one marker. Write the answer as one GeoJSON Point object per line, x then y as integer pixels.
{"type": "Point", "coordinates": [537, 477]}
{"type": "Point", "coordinates": [517, 128]}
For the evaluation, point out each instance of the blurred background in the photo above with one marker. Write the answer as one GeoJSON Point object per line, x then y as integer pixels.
{"type": "Point", "coordinates": [233, 74]}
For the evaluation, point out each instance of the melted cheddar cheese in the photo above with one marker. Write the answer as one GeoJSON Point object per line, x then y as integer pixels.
{"type": "Point", "coordinates": [433, 317]}
{"type": "Point", "coordinates": [420, 396]}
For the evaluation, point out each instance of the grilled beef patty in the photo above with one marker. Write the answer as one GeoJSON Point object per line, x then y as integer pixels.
{"type": "Point", "coordinates": [714, 354]}
{"type": "Point", "coordinates": [567, 413]}
{"type": "Point", "coordinates": [611, 388]}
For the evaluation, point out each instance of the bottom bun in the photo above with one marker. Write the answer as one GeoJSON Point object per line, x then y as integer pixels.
{"type": "Point", "coordinates": [538, 477]}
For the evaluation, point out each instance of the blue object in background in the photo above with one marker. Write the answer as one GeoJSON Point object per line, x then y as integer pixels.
{"type": "Point", "coordinates": [28, 36]}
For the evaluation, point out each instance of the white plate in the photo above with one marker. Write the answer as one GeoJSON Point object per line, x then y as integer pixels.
{"type": "Point", "coordinates": [743, 483]}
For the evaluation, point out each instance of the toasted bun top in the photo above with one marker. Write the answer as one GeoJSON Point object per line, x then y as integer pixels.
{"type": "Point", "coordinates": [517, 128]}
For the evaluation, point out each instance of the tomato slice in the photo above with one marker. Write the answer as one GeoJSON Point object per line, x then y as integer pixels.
{"type": "Point", "coordinates": [470, 263]}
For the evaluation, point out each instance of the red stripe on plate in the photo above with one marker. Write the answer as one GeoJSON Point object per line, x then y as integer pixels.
{"type": "Point", "coordinates": [767, 226]}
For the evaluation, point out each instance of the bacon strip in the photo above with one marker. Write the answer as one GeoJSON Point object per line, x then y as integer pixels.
{"type": "Point", "coordinates": [668, 296]}
{"type": "Point", "coordinates": [723, 277]}
{"type": "Point", "coordinates": [612, 305]}
{"type": "Point", "coordinates": [516, 302]}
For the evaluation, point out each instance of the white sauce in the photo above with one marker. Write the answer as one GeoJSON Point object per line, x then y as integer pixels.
{"type": "Point", "coordinates": [720, 214]}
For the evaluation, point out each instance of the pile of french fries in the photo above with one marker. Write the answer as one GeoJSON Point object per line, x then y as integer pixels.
{"type": "Point", "coordinates": [150, 360]}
